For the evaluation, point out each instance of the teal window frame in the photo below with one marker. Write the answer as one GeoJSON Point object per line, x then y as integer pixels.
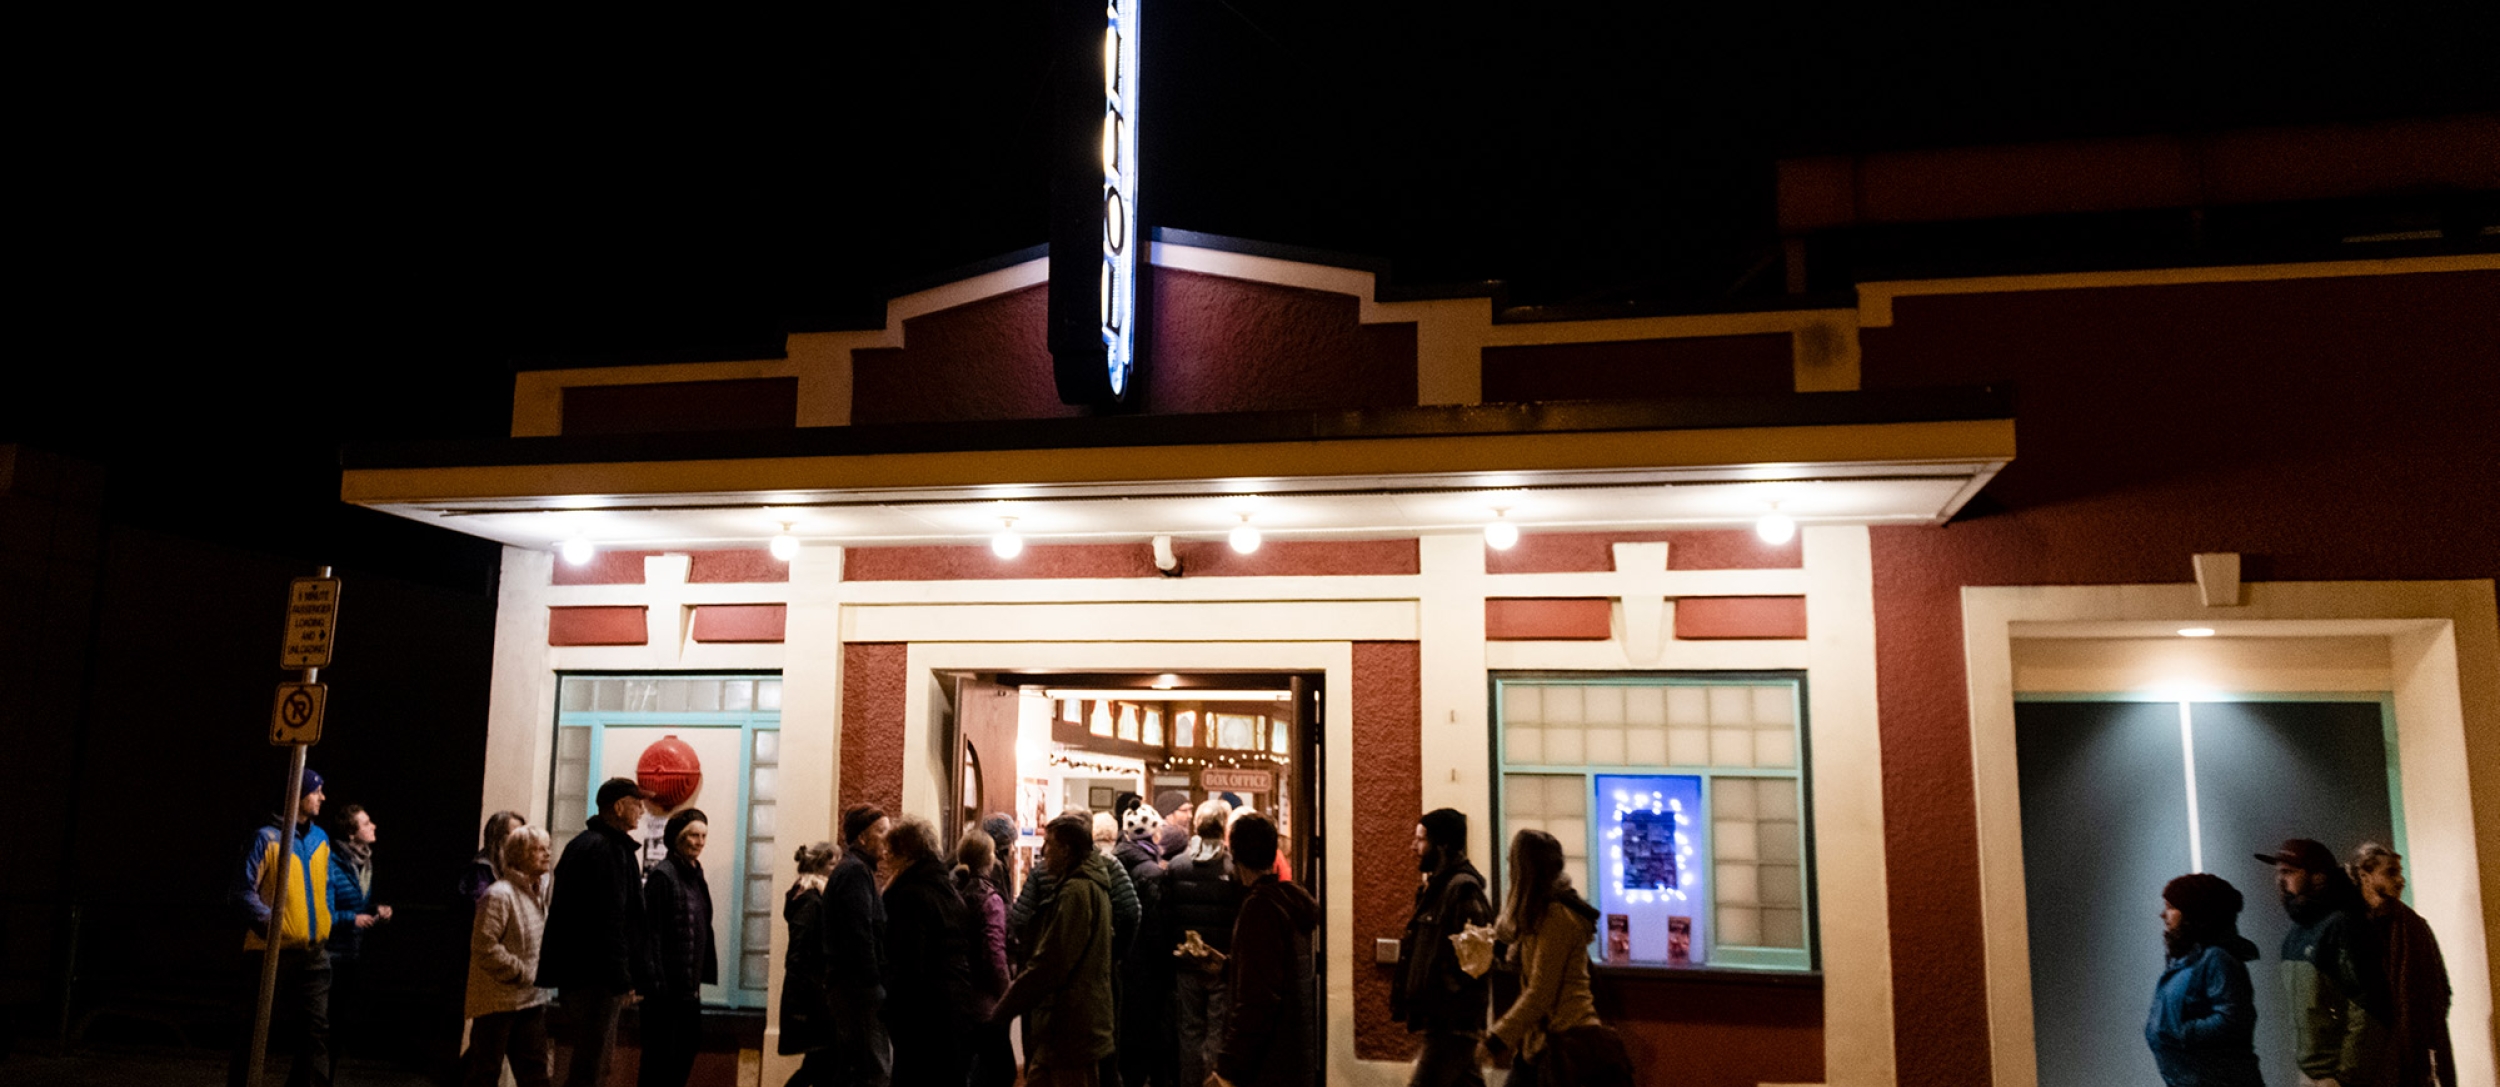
{"type": "Point", "coordinates": [1717, 956]}
{"type": "Point", "coordinates": [737, 992]}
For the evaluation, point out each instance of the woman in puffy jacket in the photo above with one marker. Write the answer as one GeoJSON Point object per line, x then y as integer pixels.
{"type": "Point", "coordinates": [993, 1057]}
{"type": "Point", "coordinates": [1548, 926]}
{"type": "Point", "coordinates": [2204, 1021]}
{"type": "Point", "coordinates": [678, 902]}
{"type": "Point", "coordinates": [508, 1009]}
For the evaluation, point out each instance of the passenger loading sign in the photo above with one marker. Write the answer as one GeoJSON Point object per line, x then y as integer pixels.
{"type": "Point", "coordinates": [312, 619]}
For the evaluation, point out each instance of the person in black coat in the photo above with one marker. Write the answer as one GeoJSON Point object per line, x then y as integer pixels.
{"type": "Point", "coordinates": [928, 938]}
{"type": "Point", "coordinates": [598, 951]}
{"type": "Point", "coordinates": [1433, 996]}
{"type": "Point", "coordinates": [1147, 1056]}
{"type": "Point", "coordinates": [1272, 1040]}
{"type": "Point", "coordinates": [807, 971]}
{"type": "Point", "coordinates": [854, 920]}
{"type": "Point", "coordinates": [1201, 897]}
{"type": "Point", "coordinates": [679, 904]}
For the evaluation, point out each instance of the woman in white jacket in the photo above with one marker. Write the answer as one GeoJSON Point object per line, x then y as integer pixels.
{"type": "Point", "coordinates": [509, 1009]}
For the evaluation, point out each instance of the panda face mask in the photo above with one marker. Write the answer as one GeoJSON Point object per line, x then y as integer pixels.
{"type": "Point", "coordinates": [1142, 823]}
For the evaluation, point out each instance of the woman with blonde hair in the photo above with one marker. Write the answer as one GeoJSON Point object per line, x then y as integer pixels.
{"type": "Point", "coordinates": [508, 1008]}
{"type": "Point", "coordinates": [1552, 1028]}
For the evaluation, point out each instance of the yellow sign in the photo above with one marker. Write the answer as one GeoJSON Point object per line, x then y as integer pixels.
{"type": "Point", "coordinates": [297, 717]}
{"type": "Point", "coordinates": [312, 620]}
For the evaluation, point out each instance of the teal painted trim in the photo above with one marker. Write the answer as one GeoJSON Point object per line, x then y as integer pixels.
{"type": "Point", "coordinates": [2395, 784]}
{"type": "Point", "coordinates": [1763, 958]}
{"type": "Point", "coordinates": [2229, 696]}
{"type": "Point", "coordinates": [614, 718]}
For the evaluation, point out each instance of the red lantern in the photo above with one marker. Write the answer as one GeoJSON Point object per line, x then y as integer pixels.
{"type": "Point", "coordinates": [670, 770]}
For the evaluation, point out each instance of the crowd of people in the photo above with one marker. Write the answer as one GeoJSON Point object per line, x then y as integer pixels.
{"type": "Point", "coordinates": [2365, 987]}
{"type": "Point", "coordinates": [1166, 945]}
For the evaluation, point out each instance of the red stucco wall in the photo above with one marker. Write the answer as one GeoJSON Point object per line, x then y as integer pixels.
{"type": "Point", "coordinates": [1717, 1033]}
{"type": "Point", "coordinates": [1222, 344]}
{"type": "Point", "coordinates": [1388, 796]}
{"type": "Point", "coordinates": [2327, 429]}
{"type": "Point", "coordinates": [874, 681]}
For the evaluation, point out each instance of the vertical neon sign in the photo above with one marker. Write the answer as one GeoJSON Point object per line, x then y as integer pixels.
{"type": "Point", "coordinates": [1119, 194]}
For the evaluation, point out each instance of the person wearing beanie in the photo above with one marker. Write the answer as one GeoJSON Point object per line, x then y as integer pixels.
{"type": "Point", "coordinates": [678, 901]}
{"type": "Point", "coordinates": [598, 951]}
{"type": "Point", "coordinates": [1001, 875]}
{"type": "Point", "coordinates": [1064, 990]}
{"type": "Point", "coordinates": [286, 871]}
{"type": "Point", "coordinates": [2203, 1025]}
{"type": "Point", "coordinates": [1201, 900]}
{"type": "Point", "coordinates": [2330, 973]}
{"type": "Point", "coordinates": [1041, 888]}
{"type": "Point", "coordinates": [1433, 996]}
{"type": "Point", "coordinates": [2414, 973]}
{"type": "Point", "coordinates": [1145, 983]}
{"type": "Point", "coordinates": [1177, 821]}
{"type": "Point", "coordinates": [807, 971]}
{"type": "Point", "coordinates": [854, 920]}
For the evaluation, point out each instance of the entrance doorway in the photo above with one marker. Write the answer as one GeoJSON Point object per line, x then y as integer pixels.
{"type": "Point", "coordinates": [1035, 744]}
{"type": "Point", "coordinates": [2120, 796]}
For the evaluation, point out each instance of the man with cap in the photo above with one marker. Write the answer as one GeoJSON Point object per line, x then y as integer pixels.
{"type": "Point", "coordinates": [1433, 996]}
{"type": "Point", "coordinates": [288, 874]}
{"type": "Point", "coordinates": [2203, 1026]}
{"type": "Point", "coordinates": [854, 926]}
{"type": "Point", "coordinates": [2338, 1036]}
{"type": "Point", "coordinates": [598, 952]}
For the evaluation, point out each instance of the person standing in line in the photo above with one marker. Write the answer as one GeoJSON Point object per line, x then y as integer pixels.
{"type": "Point", "coordinates": [353, 911]}
{"type": "Point", "coordinates": [1548, 926]}
{"type": "Point", "coordinates": [678, 902]}
{"type": "Point", "coordinates": [2329, 972]}
{"type": "Point", "coordinates": [506, 1008]}
{"type": "Point", "coordinates": [598, 953]}
{"type": "Point", "coordinates": [1179, 820]}
{"type": "Point", "coordinates": [289, 866]}
{"type": "Point", "coordinates": [929, 934]}
{"type": "Point", "coordinates": [1064, 990]}
{"type": "Point", "coordinates": [993, 1057]}
{"type": "Point", "coordinates": [807, 972]}
{"type": "Point", "coordinates": [855, 944]}
{"type": "Point", "coordinates": [485, 868]}
{"type": "Point", "coordinates": [2203, 1026]}
{"type": "Point", "coordinates": [2415, 973]}
{"type": "Point", "coordinates": [1201, 900]}
{"type": "Point", "coordinates": [1433, 996]}
{"type": "Point", "coordinates": [1001, 829]}
{"type": "Point", "coordinates": [1143, 992]}
{"type": "Point", "coordinates": [1272, 1038]}
{"type": "Point", "coordinates": [1033, 900]}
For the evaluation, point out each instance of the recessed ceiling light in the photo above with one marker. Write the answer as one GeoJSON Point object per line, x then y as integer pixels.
{"type": "Point", "coordinates": [2196, 632]}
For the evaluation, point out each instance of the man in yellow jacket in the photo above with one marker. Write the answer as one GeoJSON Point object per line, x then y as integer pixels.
{"type": "Point", "coordinates": [293, 870]}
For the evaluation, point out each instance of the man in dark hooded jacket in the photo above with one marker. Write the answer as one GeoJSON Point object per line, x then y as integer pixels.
{"type": "Point", "coordinates": [1144, 994]}
{"type": "Point", "coordinates": [1433, 996]}
{"type": "Point", "coordinates": [2329, 972]}
{"type": "Point", "coordinates": [1272, 1038]}
{"type": "Point", "coordinates": [854, 920]}
{"type": "Point", "coordinates": [1064, 990]}
{"type": "Point", "coordinates": [599, 952]}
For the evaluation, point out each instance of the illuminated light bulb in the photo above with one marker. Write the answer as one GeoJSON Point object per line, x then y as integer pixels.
{"type": "Point", "coordinates": [1775, 528]}
{"type": "Point", "coordinates": [785, 546]}
{"type": "Point", "coordinates": [1245, 536]}
{"type": "Point", "coordinates": [1499, 533]}
{"type": "Point", "coordinates": [577, 551]}
{"type": "Point", "coordinates": [1007, 544]}
{"type": "Point", "coordinates": [2196, 632]}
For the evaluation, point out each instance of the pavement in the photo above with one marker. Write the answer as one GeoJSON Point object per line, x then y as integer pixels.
{"type": "Point", "coordinates": [136, 1067]}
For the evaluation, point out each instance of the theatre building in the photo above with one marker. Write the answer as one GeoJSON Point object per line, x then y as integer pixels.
{"type": "Point", "coordinates": [1856, 650]}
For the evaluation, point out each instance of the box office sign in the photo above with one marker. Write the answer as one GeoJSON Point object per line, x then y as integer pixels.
{"type": "Point", "coordinates": [1223, 780]}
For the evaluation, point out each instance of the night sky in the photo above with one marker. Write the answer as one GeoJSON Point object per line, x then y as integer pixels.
{"type": "Point", "coordinates": [257, 241]}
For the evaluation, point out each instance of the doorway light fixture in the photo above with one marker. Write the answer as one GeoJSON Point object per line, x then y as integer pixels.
{"type": "Point", "coordinates": [1775, 528]}
{"type": "Point", "coordinates": [577, 551]}
{"type": "Point", "coordinates": [1245, 536]}
{"type": "Point", "coordinates": [1499, 533]}
{"type": "Point", "coordinates": [785, 545]}
{"type": "Point", "coordinates": [1007, 544]}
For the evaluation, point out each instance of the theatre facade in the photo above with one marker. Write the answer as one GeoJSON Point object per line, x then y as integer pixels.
{"type": "Point", "coordinates": [1840, 645]}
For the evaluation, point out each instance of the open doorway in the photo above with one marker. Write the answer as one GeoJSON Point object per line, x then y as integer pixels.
{"type": "Point", "coordinates": [1034, 744]}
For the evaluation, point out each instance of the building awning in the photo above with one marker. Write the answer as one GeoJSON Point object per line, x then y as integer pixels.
{"type": "Point", "coordinates": [1884, 457]}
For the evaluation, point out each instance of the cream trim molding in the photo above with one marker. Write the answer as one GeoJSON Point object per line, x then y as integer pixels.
{"type": "Point", "coordinates": [1875, 299]}
{"type": "Point", "coordinates": [2444, 642]}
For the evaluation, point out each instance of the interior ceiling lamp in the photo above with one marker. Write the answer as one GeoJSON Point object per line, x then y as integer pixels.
{"type": "Point", "coordinates": [785, 545]}
{"type": "Point", "coordinates": [577, 550]}
{"type": "Point", "coordinates": [1007, 544]}
{"type": "Point", "coordinates": [1139, 694]}
{"type": "Point", "coordinates": [2196, 632]}
{"type": "Point", "coordinates": [1775, 528]}
{"type": "Point", "coordinates": [1245, 536]}
{"type": "Point", "coordinates": [1499, 533]}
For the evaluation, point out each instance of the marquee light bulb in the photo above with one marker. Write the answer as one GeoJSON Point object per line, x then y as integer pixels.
{"type": "Point", "coordinates": [577, 551]}
{"type": "Point", "coordinates": [1245, 536]}
{"type": "Point", "coordinates": [785, 546]}
{"type": "Point", "coordinates": [1007, 544]}
{"type": "Point", "coordinates": [1775, 528]}
{"type": "Point", "coordinates": [1499, 533]}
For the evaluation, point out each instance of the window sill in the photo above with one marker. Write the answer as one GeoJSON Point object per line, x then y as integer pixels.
{"type": "Point", "coordinates": [1708, 975]}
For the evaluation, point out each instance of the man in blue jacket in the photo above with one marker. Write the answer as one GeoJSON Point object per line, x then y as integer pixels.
{"type": "Point", "coordinates": [290, 871]}
{"type": "Point", "coordinates": [2204, 1022]}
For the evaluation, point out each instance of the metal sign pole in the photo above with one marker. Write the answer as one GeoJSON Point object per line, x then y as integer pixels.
{"type": "Point", "coordinates": [259, 1054]}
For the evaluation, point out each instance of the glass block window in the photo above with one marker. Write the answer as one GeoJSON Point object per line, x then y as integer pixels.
{"type": "Point", "coordinates": [605, 724]}
{"type": "Point", "coordinates": [1679, 802]}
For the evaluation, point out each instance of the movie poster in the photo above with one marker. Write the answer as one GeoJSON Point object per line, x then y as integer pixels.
{"type": "Point", "coordinates": [1618, 938]}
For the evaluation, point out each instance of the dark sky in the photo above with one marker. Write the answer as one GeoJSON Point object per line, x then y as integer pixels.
{"type": "Point", "coordinates": [257, 240]}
